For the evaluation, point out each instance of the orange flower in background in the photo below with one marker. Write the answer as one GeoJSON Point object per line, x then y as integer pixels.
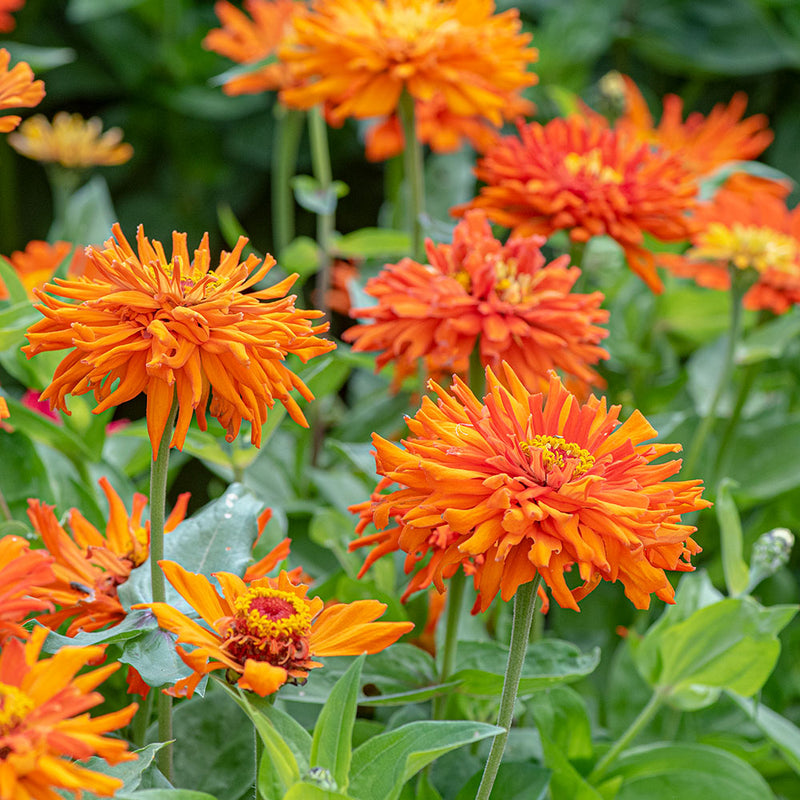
{"type": "Point", "coordinates": [504, 299]}
{"type": "Point", "coordinates": [44, 725]}
{"type": "Point", "coordinates": [757, 233]}
{"type": "Point", "coordinates": [18, 89]}
{"type": "Point", "coordinates": [343, 271]}
{"type": "Point", "coordinates": [268, 632]}
{"type": "Point", "coordinates": [520, 484]}
{"type": "Point", "coordinates": [90, 565]}
{"type": "Point", "coordinates": [248, 41]}
{"type": "Point", "coordinates": [357, 57]}
{"type": "Point", "coordinates": [21, 569]}
{"type": "Point", "coordinates": [4, 412]}
{"type": "Point", "coordinates": [177, 329]}
{"type": "Point", "coordinates": [7, 22]}
{"type": "Point", "coordinates": [576, 175]}
{"type": "Point", "coordinates": [70, 141]}
{"type": "Point", "coordinates": [37, 263]}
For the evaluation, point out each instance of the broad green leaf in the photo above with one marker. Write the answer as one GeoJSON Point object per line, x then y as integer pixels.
{"type": "Point", "coordinates": [135, 624]}
{"type": "Point", "coordinates": [79, 11]}
{"type": "Point", "coordinates": [39, 58]}
{"type": "Point", "coordinates": [517, 781]}
{"type": "Point", "coordinates": [294, 734]}
{"type": "Point", "coordinates": [310, 195]}
{"type": "Point", "coordinates": [14, 288]}
{"type": "Point", "coordinates": [310, 791]}
{"type": "Point", "coordinates": [166, 794]}
{"type": "Point", "coordinates": [14, 321]}
{"type": "Point", "coordinates": [688, 771]}
{"type": "Point", "coordinates": [737, 573]}
{"type": "Point", "coordinates": [154, 657]}
{"type": "Point", "coordinates": [232, 230]}
{"type": "Point", "coordinates": [88, 215]}
{"type": "Point", "coordinates": [783, 733]}
{"type": "Point", "coordinates": [372, 243]}
{"type": "Point", "coordinates": [326, 374]}
{"type": "Point", "coordinates": [769, 340]}
{"type": "Point", "coordinates": [384, 763]}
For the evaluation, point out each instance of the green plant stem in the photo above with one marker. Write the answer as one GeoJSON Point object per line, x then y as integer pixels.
{"type": "Point", "coordinates": [9, 204]}
{"type": "Point", "coordinates": [63, 183]}
{"type": "Point", "coordinates": [455, 595]}
{"type": "Point", "coordinates": [286, 142]}
{"type": "Point", "coordinates": [477, 372]}
{"type": "Point", "coordinates": [158, 503]}
{"type": "Point", "coordinates": [4, 509]}
{"type": "Point", "coordinates": [321, 163]}
{"type": "Point", "coordinates": [748, 379]}
{"type": "Point", "coordinates": [634, 729]}
{"type": "Point", "coordinates": [524, 609]}
{"type": "Point", "coordinates": [142, 719]}
{"type": "Point", "coordinates": [415, 174]}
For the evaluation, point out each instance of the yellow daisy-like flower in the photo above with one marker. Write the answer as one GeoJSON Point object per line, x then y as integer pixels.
{"type": "Point", "coordinates": [71, 141]}
{"type": "Point", "coordinates": [178, 330]}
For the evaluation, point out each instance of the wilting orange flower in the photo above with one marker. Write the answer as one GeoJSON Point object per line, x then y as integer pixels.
{"type": "Point", "coordinates": [21, 569]}
{"type": "Point", "coordinates": [18, 89]}
{"type": "Point", "coordinates": [44, 724]}
{"type": "Point", "coordinates": [90, 565]}
{"type": "Point", "coordinates": [267, 631]}
{"type": "Point", "coordinates": [176, 329]}
{"type": "Point", "coordinates": [520, 484]}
{"type": "Point", "coordinates": [357, 56]}
{"type": "Point", "coordinates": [576, 175]}
{"type": "Point", "coordinates": [756, 233]}
{"type": "Point", "coordinates": [504, 299]}
{"type": "Point", "coordinates": [7, 22]}
{"type": "Point", "coordinates": [248, 41]}
{"type": "Point", "coordinates": [70, 141]}
{"type": "Point", "coordinates": [37, 263]}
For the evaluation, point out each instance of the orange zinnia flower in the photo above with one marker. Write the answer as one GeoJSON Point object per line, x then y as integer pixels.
{"type": "Point", "coordinates": [504, 299]}
{"type": "Point", "coordinates": [176, 329]}
{"type": "Point", "coordinates": [20, 570]}
{"type": "Point", "coordinates": [18, 89]}
{"type": "Point", "coordinates": [71, 141]}
{"type": "Point", "coordinates": [44, 724]}
{"type": "Point", "coordinates": [357, 56]}
{"type": "Point", "coordinates": [7, 22]}
{"type": "Point", "coordinates": [267, 631]}
{"type": "Point", "coordinates": [576, 175]}
{"type": "Point", "coordinates": [90, 565]}
{"type": "Point", "coordinates": [248, 41]}
{"type": "Point", "coordinates": [756, 233]}
{"type": "Point", "coordinates": [522, 484]}
{"type": "Point", "coordinates": [37, 264]}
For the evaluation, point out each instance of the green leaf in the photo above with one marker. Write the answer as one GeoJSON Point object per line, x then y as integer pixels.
{"type": "Point", "coordinates": [14, 287]}
{"type": "Point", "coordinates": [383, 764]}
{"type": "Point", "coordinates": [688, 771]}
{"type": "Point", "coordinates": [783, 733]}
{"type": "Point", "coordinates": [737, 573]}
{"type": "Point", "coordinates": [135, 624]}
{"type": "Point", "coordinates": [309, 791]}
{"type": "Point", "coordinates": [310, 195]}
{"type": "Point", "coordinates": [15, 320]}
{"type": "Point", "coordinates": [517, 781]}
{"type": "Point", "coordinates": [291, 731]}
{"type": "Point", "coordinates": [39, 58]}
{"type": "Point", "coordinates": [372, 243]}
{"type": "Point", "coordinates": [166, 794]}
{"type": "Point", "coordinates": [302, 255]}
{"type": "Point", "coordinates": [79, 11]}
{"type": "Point", "coordinates": [154, 657]}
{"type": "Point", "coordinates": [88, 215]}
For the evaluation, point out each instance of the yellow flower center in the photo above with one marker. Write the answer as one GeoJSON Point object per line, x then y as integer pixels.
{"type": "Point", "coordinates": [747, 246]}
{"type": "Point", "coordinates": [463, 277]}
{"type": "Point", "coordinates": [509, 284]}
{"type": "Point", "coordinates": [557, 452]}
{"type": "Point", "coordinates": [272, 614]}
{"type": "Point", "coordinates": [190, 274]}
{"type": "Point", "coordinates": [591, 163]}
{"type": "Point", "coordinates": [15, 705]}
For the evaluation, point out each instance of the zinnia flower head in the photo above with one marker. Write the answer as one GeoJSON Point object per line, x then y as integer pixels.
{"type": "Point", "coordinates": [757, 233]}
{"type": "Point", "coordinates": [247, 41]}
{"type": "Point", "coordinates": [44, 726]}
{"type": "Point", "coordinates": [521, 484]}
{"type": "Point", "coordinates": [21, 569]}
{"type": "Point", "coordinates": [38, 262]}
{"type": "Point", "coordinates": [18, 89]}
{"type": "Point", "coordinates": [357, 56]}
{"type": "Point", "coordinates": [177, 329]}
{"type": "Point", "coordinates": [7, 22]}
{"type": "Point", "coordinates": [90, 565]}
{"type": "Point", "coordinates": [70, 141]}
{"type": "Point", "coordinates": [576, 175]}
{"type": "Point", "coordinates": [267, 633]}
{"type": "Point", "coordinates": [502, 298]}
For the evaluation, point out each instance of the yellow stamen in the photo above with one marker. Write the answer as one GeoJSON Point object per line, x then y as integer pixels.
{"type": "Point", "coordinates": [272, 613]}
{"type": "Point", "coordinates": [747, 246]}
{"type": "Point", "coordinates": [555, 451]}
{"type": "Point", "coordinates": [509, 284]}
{"type": "Point", "coordinates": [15, 705]}
{"type": "Point", "coordinates": [591, 163]}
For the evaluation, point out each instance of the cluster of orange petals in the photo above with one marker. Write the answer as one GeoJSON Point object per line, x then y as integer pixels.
{"type": "Point", "coordinates": [267, 632]}
{"type": "Point", "coordinates": [7, 22]}
{"type": "Point", "coordinates": [503, 298]}
{"type": "Point", "coordinates": [38, 262]}
{"type": "Point", "coordinates": [755, 231]}
{"type": "Point", "coordinates": [18, 89]}
{"type": "Point", "coordinates": [521, 484]}
{"type": "Point", "coordinates": [576, 174]}
{"type": "Point", "coordinates": [89, 565]}
{"type": "Point", "coordinates": [358, 56]}
{"type": "Point", "coordinates": [178, 330]}
{"type": "Point", "coordinates": [20, 570]}
{"type": "Point", "coordinates": [44, 724]}
{"type": "Point", "coordinates": [248, 41]}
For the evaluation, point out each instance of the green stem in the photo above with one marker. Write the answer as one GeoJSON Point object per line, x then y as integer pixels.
{"type": "Point", "coordinates": [477, 372]}
{"type": "Point", "coordinates": [142, 719]}
{"type": "Point", "coordinates": [63, 183]}
{"type": "Point", "coordinates": [415, 174]}
{"type": "Point", "coordinates": [524, 609]}
{"type": "Point", "coordinates": [288, 129]}
{"type": "Point", "coordinates": [4, 509]}
{"type": "Point", "coordinates": [455, 595]}
{"type": "Point", "coordinates": [158, 503]}
{"type": "Point", "coordinates": [748, 379]}
{"type": "Point", "coordinates": [634, 729]}
{"type": "Point", "coordinates": [9, 204]}
{"type": "Point", "coordinates": [321, 163]}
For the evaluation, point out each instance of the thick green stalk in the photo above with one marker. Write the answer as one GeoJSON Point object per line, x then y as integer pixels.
{"type": "Point", "coordinates": [524, 609]}
{"type": "Point", "coordinates": [288, 129]}
{"type": "Point", "coordinates": [415, 174]}
{"type": "Point", "coordinates": [321, 163]}
{"type": "Point", "coordinates": [455, 594]}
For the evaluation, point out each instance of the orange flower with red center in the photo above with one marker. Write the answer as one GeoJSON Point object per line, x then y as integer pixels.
{"type": "Point", "coordinates": [37, 263]}
{"type": "Point", "coordinates": [20, 570]}
{"type": "Point", "coordinates": [7, 22]}
{"type": "Point", "coordinates": [268, 632]}
{"type": "Point", "coordinates": [357, 57]}
{"type": "Point", "coordinates": [520, 484]}
{"type": "Point", "coordinates": [18, 89]}
{"type": "Point", "coordinates": [757, 233]}
{"type": "Point", "coordinates": [90, 565]}
{"type": "Point", "coordinates": [248, 41]}
{"type": "Point", "coordinates": [476, 292]}
{"type": "Point", "coordinates": [44, 725]}
{"type": "Point", "coordinates": [177, 329]}
{"type": "Point", "coordinates": [576, 175]}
